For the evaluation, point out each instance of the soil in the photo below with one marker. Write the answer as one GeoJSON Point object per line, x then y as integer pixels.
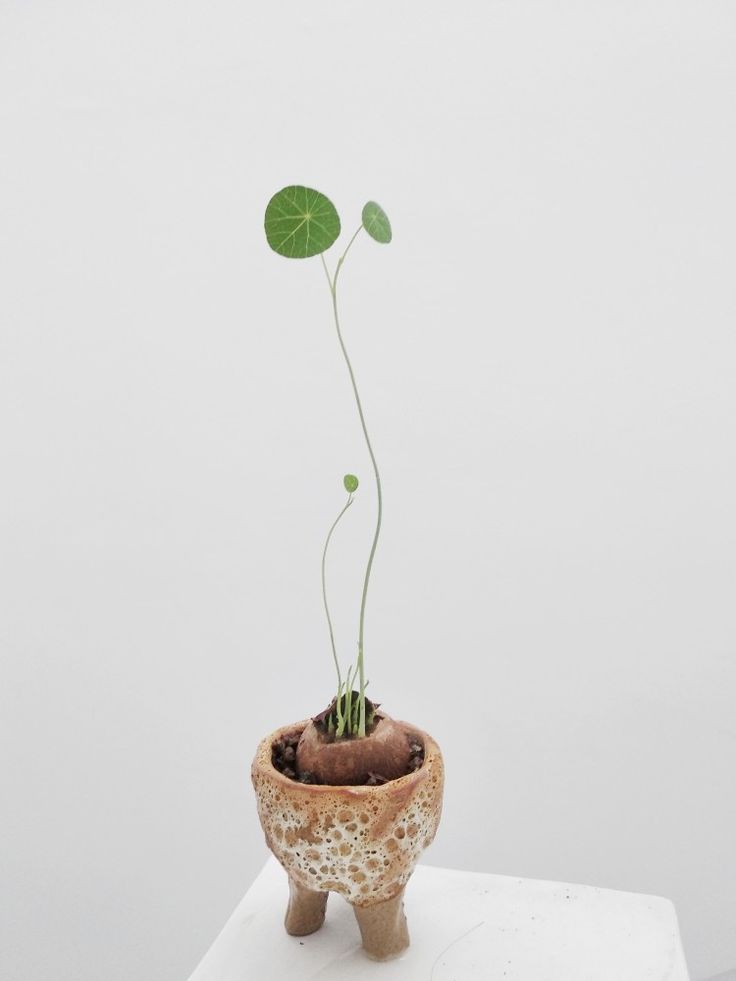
{"type": "Point", "coordinates": [346, 762]}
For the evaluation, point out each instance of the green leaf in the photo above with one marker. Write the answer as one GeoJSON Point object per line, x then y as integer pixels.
{"type": "Point", "coordinates": [376, 223]}
{"type": "Point", "coordinates": [300, 222]}
{"type": "Point", "coordinates": [351, 483]}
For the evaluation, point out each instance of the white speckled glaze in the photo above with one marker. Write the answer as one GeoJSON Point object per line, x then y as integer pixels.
{"type": "Point", "coordinates": [362, 842]}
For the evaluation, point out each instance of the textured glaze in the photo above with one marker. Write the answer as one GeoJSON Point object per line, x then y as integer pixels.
{"type": "Point", "coordinates": [362, 842]}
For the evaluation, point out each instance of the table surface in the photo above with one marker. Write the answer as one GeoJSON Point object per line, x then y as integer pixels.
{"type": "Point", "coordinates": [464, 926]}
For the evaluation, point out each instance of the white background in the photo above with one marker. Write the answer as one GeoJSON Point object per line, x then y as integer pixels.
{"type": "Point", "coordinates": [547, 357]}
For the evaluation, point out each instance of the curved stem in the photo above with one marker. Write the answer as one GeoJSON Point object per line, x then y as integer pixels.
{"type": "Point", "coordinates": [340, 261]}
{"type": "Point", "coordinates": [324, 592]}
{"type": "Point", "coordinates": [361, 672]}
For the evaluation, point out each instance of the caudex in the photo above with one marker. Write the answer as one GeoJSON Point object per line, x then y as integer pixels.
{"type": "Point", "coordinates": [300, 223]}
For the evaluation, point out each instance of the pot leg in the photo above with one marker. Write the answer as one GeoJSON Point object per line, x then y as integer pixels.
{"type": "Point", "coordinates": [306, 910]}
{"type": "Point", "coordinates": [383, 928]}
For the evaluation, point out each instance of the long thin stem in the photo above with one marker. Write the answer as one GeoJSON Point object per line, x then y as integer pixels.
{"type": "Point", "coordinates": [333, 291]}
{"type": "Point", "coordinates": [324, 596]}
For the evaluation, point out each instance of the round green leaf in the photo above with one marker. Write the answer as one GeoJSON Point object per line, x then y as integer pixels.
{"type": "Point", "coordinates": [300, 222]}
{"type": "Point", "coordinates": [376, 223]}
{"type": "Point", "coordinates": [351, 483]}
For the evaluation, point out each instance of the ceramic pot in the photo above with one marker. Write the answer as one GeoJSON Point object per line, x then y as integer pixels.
{"type": "Point", "coordinates": [360, 841]}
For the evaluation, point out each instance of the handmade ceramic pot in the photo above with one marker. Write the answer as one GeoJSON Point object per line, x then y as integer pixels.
{"type": "Point", "coordinates": [360, 841]}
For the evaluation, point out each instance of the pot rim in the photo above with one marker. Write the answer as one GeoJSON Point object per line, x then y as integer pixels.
{"type": "Point", "coordinates": [265, 766]}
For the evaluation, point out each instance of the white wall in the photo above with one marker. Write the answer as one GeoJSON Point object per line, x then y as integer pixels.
{"type": "Point", "coordinates": [547, 354]}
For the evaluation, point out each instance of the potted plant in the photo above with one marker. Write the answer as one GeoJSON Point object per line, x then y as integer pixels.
{"type": "Point", "coordinates": [350, 797]}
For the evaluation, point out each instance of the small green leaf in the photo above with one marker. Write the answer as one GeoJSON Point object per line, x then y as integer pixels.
{"type": "Point", "coordinates": [300, 222]}
{"type": "Point", "coordinates": [376, 223]}
{"type": "Point", "coordinates": [351, 483]}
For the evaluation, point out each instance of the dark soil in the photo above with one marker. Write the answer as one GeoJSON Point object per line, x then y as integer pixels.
{"type": "Point", "coordinates": [283, 757]}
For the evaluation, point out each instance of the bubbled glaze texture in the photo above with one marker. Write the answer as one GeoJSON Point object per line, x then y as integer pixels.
{"type": "Point", "coordinates": [362, 842]}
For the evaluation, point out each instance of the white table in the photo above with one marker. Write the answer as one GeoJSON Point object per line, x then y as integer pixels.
{"type": "Point", "coordinates": [464, 926]}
